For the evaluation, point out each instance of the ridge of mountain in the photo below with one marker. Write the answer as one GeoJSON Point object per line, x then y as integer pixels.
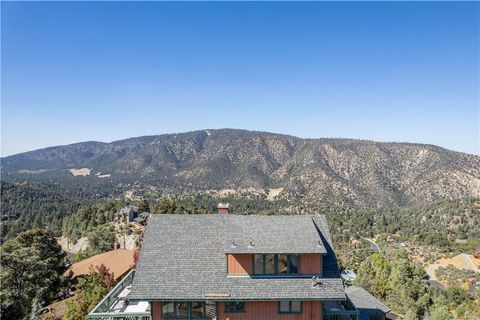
{"type": "Point", "coordinates": [326, 170]}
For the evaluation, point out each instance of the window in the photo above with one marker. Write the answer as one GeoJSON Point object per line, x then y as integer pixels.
{"type": "Point", "coordinates": [168, 310]}
{"type": "Point", "coordinates": [271, 264]}
{"type": "Point", "coordinates": [234, 306]}
{"type": "Point", "coordinates": [258, 264]}
{"type": "Point", "coordinates": [198, 310]}
{"type": "Point", "coordinates": [296, 306]}
{"type": "Point", "coordinates": [282, 264]}
{"type": "Point", "coordinates": [284, 306]}
{"type": "Point", "coordinates": [290, 307]}
{"type": "Point", "coordinates": [181, 310]}
{"type": "Point", "coordinates": [293, 261]}
{"type": "Point", "coordinates": [184, 310]}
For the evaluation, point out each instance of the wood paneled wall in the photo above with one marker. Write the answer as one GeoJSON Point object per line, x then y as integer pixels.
{"type": "Point", "coordinates": [268, 310]}
{"type": "Point", "coordinates": [311, 263]}
{"type": "Point", "coordinates": [156, 308]}
{"type": "Point", "coordinates": [240, 264]}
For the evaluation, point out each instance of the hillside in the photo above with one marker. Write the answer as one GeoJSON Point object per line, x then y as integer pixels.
{"type": "Point", "coordinates": [330, 171]}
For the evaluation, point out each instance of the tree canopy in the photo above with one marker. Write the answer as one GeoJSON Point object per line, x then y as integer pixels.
{"type": "Point", "coordinates": [32, 270]}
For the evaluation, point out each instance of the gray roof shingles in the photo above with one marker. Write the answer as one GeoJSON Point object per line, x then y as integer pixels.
{"type": "Point", "coordinates": [183, 258]}
{"type": "Point", "coordinates": [368, 305]}
{"type": "Point", "coordinates": [272, 234]}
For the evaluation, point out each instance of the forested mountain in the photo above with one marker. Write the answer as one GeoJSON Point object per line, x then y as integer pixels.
{"type": "Point", "coordinates": [331, 171]}
{"type": "Point", "coordinates": [29, 205]}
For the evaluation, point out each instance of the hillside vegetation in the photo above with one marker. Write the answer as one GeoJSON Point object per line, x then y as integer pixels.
{"type": "Point", "coordinates": [310, 171]}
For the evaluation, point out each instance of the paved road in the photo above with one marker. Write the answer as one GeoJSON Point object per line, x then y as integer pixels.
{"type": "Point", "coordinates": [375, 247]}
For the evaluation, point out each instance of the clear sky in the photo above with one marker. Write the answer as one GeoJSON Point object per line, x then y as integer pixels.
{"type": "Point", "coordinates": [105, 71]}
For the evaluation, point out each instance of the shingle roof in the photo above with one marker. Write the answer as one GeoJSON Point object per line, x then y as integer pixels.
{"type": "Point", "coordinates": [368, 305]}
{"type": "Point", "coordinates": [118, 261]}
{"type": "Point", "coordinates": [183, 258]}
{"type": "Point", "coordinates": [272, 234]}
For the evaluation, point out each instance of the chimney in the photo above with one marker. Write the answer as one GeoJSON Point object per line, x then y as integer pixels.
{"type": "Point", "coordinates": [223, 207]}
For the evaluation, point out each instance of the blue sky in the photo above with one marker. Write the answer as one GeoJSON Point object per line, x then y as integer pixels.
{"type": "Point", "coordinates": [105, 71]}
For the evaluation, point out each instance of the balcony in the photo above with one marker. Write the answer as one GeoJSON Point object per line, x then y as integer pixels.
{"type": "Point", "coordinates": [116, 305]}
{"type": "Point", "coordinates": [340, 310]}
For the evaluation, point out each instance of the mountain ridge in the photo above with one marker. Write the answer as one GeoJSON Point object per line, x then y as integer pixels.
{"type": "Point", "coordinates": [233, 129]}
{"type": "Point", "coordinates": [329, 170]}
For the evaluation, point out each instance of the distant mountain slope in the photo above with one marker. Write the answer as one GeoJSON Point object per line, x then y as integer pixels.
{"type": "Point", "coordinates": [331, 171]}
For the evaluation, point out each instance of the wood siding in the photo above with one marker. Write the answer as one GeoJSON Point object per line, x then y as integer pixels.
{"type": "Point", "coordinates": [311, 263]}
{"type": "Point", "coordinates": [156, 308]}
{"type": "Point", "coordinates": [268, 310]}
{"type": "Point", "coordinates": [240, 264]}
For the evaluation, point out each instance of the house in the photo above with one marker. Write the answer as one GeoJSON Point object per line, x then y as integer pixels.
{"type": "Point", "coordinates": [233, 267]}
{"type": "Point", "coordinates": [142, 217]}
{"type": "Point", "coordinates": [119, 262]}
{"type": "Point", "coordinates": [128, 214]}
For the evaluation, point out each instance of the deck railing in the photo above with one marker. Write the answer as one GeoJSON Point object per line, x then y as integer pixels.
{"type": "Point", "coordinates": [340, 315]}
{"type": "Point", "coordinates": [349, 312]}
{"type": "Point", "coordinates": [102, 310]}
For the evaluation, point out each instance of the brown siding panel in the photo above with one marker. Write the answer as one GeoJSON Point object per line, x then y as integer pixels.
{"type": "Point", "coordinates": [311, 263]}
{"type": "Point", "coordinates": [240, 264]}
{"type": "Point", "coordinates": [268, 310]}
{"type": "Point", "coordinates": [156, 308]}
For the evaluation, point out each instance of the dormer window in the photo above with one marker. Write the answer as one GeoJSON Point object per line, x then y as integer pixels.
{"type": "Point", "coordinates": [276, 264]}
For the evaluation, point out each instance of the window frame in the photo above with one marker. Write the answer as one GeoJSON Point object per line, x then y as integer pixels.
{"type": "Point", "coordinates": [204, 308]}
{"type": "Point", "coordinates": [263, 264]}
{"type": "Point", "coordinates": [290, 307]}
{"type": "Point", "coordinates": [175, 308]}
{"type": "Point", "coordinates": [275, 267]}
{"type": "Point", "coordinates": [242, 311]}
{"type": "Point", "coordinates": [189, 310]}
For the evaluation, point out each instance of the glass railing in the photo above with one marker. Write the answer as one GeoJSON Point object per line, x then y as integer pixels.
{"type": "Point", "coordinates": [116, 305]}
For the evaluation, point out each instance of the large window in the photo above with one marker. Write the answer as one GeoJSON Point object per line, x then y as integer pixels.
{"type": "Point", "coordinates": [290, 307]}
{"type": "Point", "coordinates": [271, 264]}
{"type": "Point", "coordinates": [234, 306]}
{"type": "Point", "coordinates": [184, 310]}
{"type": "Point", "coordinates": [198, 310]}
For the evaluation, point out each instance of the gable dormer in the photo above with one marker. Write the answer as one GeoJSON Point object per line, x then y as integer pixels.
{"type": "Point", "coordinates": [273, 246]}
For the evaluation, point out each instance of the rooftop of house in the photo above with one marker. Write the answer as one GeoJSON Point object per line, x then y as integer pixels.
{"type": "Point", "coordinates": [128, 209]}
{"type": "Point", "coordinates": [273, 234]}
{"type": "Point", "coordinates": [118, 261]}
{"type": "Point", "coordinates": [183, 258]}
{"type": "Point", "coordinates": [367, 304]}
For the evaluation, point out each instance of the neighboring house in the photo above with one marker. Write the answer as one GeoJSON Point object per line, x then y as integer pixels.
{"type": "Point", "coordinates": [142, 217]}
{"type": "Point", "coordinates": [119, 262]}
{"type": "Point", "coordinates": [233, 267]}
{"type": "Point", "coordinates": [127, 214]}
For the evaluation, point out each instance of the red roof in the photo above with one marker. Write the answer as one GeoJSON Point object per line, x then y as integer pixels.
{"type": "Point", "coordinates": [118, 261]}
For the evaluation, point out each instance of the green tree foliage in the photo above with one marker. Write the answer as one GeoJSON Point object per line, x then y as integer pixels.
{"type": "Point", "coordinates": [90, 291]}
{"type": "Point", "coordinates": [89, 217]}
{"type": "Point", "coordinates": [101, 239]}
{"type": "Point", "coordinates": [28, 205]}
{"type": "Point", "coordinates": [374, 274]}
{"type": "Point", "coordinates": [406, 288]}
{"type": "Point", "coordinates": [455, 303]}
{"type": "Point", "coordinates": [144, 206]}
{"type": "Point", "coordinates": [32, 268]}
{"type": "Point", "coordinates": [399, 283]}
{"type": "Point", "coordinates": [437, 224]}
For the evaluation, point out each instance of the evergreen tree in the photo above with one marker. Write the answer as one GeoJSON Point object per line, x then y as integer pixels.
{"type": "Point", "coordinates": [32, 267]}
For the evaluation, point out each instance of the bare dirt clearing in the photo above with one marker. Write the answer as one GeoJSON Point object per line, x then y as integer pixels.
{"type": "Point", "coordinates": [80, 172]}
